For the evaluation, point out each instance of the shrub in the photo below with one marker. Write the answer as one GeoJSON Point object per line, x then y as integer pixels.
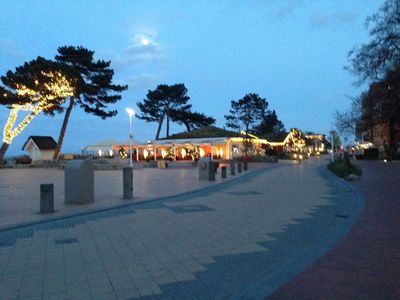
{"type": "Point", "coordinates": [371, 154]}
{"type": "Point", "coordinates": [343, 169]}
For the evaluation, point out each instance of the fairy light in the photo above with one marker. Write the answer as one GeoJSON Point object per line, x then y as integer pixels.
{"type": "Point", "coordinates": [58, 87]}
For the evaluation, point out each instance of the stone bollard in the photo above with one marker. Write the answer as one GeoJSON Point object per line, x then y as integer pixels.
{"type": "Point", "coordinates": [233, 166]}
{"type": "Point", "coordinates": [206, 169]}
{"type": "Point", "coordinates": [239, 167]}
{"type": "Point", "coordinates": [223, 172]}
{"type": "Point", "coordinates": [245, 165]}
{"type": "Point", "coordinates": [46, 198]}
{"type": "Point", "coordinates": [79, 182]}
{"type": "Point", "coordinates": [128, 182]}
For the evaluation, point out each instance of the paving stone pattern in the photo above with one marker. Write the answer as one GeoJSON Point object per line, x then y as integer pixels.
{"type": "Point", "coordinates": [241, 239]}
{"type": "Point", "coordinates": [365, 263]}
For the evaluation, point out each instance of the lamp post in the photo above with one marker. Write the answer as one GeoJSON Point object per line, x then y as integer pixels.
{"type": "Point", "coordinates": [131, 113]}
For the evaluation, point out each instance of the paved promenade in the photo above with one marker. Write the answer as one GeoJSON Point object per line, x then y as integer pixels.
{"type": "Point", "coordinates": [366, 263]}
{"type": "Point", "coordinates": [20, 190]}
{"type": "Point", "coordinates": [240, 239]}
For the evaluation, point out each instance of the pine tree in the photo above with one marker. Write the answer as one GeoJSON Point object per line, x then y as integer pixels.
{"type": "Point", "coordinates": [246, 112]}
{"type": "Point", "coordinates": [38, 86]}
{"type": "Point", "coordinates": [161, 103]}
{"type": "Point", "coordinates": [95, 90]}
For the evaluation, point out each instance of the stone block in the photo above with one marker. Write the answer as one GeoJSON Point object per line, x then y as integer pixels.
{"type": "Point", "coordinates": [79, 182]}
{"type": "Point", "coordinates": [206, 169]}
{"type": "Point", "coordinates": [223, 172]}
{"type": "Point", "coordinates": [233, 167]}
{"type": "Point", "coordinates": [46, 198]}
{"type": "Point", "coordinates": [128, 182]}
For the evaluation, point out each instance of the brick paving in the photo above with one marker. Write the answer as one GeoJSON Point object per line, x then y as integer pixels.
{"type": "Point", "coordinates": [240, 239]}
{"type": "Point", "coordinates": [365, 264]}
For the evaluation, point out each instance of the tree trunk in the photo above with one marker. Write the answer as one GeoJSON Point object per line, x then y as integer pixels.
{"type": "Point", "coordinates": [167, 124]}
{"type": "Point", "coordinates": [392, 141]}
{"type": "Point", "coordinates": [159, 128]}
{"type": "Point", "coordinates": [64, 128]}
{"type": "Point", "coordinates": [187, 126]}
{"type": "Point", "coordinates": [3, 150]}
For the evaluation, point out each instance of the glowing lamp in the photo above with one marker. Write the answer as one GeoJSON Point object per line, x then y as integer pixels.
{"type": "Point", "coordinates": [130, 111]}
{"type": "Point", "coordinates": [202, 152]}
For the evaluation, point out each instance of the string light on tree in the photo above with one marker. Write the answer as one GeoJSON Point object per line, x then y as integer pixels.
{"type": "Point", "coordinates": [56, 90]}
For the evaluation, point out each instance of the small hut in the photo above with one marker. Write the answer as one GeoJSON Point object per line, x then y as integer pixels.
{"type": "Point", "coordinates": [40, 147]}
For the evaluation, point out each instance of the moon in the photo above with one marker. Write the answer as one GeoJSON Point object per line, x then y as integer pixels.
{"type": "Point", "coordinates": [145, 42]}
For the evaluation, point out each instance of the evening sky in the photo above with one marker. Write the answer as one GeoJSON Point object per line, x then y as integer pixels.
{"type": "Point", "coordinates": [291, 52]}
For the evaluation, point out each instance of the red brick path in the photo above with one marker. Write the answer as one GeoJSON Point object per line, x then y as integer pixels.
{"type": "Point", "coordinates": [365, 264]}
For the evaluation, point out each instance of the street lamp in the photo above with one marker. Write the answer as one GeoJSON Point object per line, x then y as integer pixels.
{"type": "Point", "coordinates": [131, 113]}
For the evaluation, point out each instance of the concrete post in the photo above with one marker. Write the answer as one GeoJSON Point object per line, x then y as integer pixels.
{"type": "Point", "coordinates": [79, 182]}
{"type": "Point", "coordinates": [223, 172]}
{"type": "Point", "coordinates": [46, 198]}
{"type": "Point", "coordinates": [239, 167]}
{"type": "Point", "coordinates": [233, 167]}
{"type": "Point", "coordinates": [206, 169]}
{"type": "Point", "coordinates": [128, 182]}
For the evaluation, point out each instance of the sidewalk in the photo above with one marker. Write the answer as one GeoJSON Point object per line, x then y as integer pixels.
{"type": "Point", "coordinates": [240, 239]}
{"type": "Point", "coordinates": [20, 190]}
{"type": "Point", "coordinates": [365, 263]}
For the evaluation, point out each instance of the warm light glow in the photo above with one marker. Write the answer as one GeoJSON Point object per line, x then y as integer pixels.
{"type": "Point", "coordinates": [145, 153]}
{"type": "Point", "coordinates": [130, 111]}
{"type": "Point", "coordinates": [217, 152]}
{"type": "Point", "coordinates": [58, 87]}
{"type": "Point", "coordinates": [183, 152]}
{"type": "Point", "coordinates": [110, 153]}
{"type": "Point", "coordinates": [221, 152]}
{"type": "Point", "coordinates": [202, 152]}
{"type": "Point", "coordinates": [100, 153]}
{"type": "Point", "coordinates": [163, 153]}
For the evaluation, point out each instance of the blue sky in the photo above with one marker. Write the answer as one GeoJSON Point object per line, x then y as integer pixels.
{"type": "Point", "coordinates": [291, 52]}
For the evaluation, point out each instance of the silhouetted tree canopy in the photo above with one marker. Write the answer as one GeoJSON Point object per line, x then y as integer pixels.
{"type": "Point", "coordinates": [373, 60]}
{"type": "Point", "coordinates": [246, 113]}
{"type": "Point", "coordinates": [270, 124]}
{"type": "Point", "coordinates": [251, 114]}
{"type": "Point", "coordinates": [95, 90]}
{"type": "Point", "coordinates": [192, 120]}
{"type": "Point", "coordinates": [162, 104]}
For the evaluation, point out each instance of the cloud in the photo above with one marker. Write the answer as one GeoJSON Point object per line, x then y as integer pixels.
{"type": "Point", "coordinates": [143, 50]}
{"type": "Point", "coordinates": [325, 20]}
{"type": "Point", "coordinates": [143, 80]}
